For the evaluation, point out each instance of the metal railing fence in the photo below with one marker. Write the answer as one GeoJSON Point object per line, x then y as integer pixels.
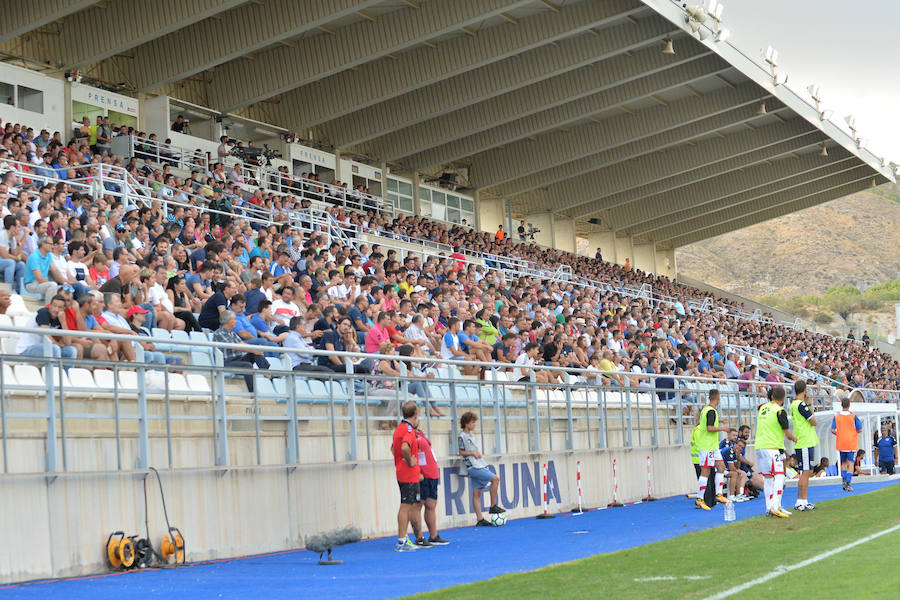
{"type": "Point", "coordinates": [139, 405]}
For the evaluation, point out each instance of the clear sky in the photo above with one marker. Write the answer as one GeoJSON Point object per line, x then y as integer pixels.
{"type": "Point", "coordinates": [849, 48]}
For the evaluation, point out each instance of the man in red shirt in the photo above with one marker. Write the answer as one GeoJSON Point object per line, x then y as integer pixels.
{"type": "Point", "coordinates": [406, 452]}
{"type": "Point", "coordinates": [428, 489]}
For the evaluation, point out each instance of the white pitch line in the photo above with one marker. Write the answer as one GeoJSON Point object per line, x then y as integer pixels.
{"type": "Point", "coordinates": [671, 578]}
{"type": "Point", "coordinates": [778, 571]}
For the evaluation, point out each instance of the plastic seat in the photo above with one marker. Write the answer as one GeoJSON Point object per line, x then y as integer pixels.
{"type": "Point", "coordinates": [200, 359]}
{"type": "Point", "coordinates": [104, 379]}
{"type": "Point", "coordinates": [162, 339]}
{"type": "Point", "coordinates": [128, 380]}
{"type": "Point", "coordinates": [301, 390]}
{"type": "Point", "coordinates": [55, 374]}
{"type": "Point", "coordinates": [317, 390]}
{"type": "Point", "coordinates": [197, 383]}
{"type": "Point", "coordinates": [263, 386]}
{"type": "Point", "coordinates": [17, 306]}
{"type": "Point", "coordinates": [6, 321]}
{"type": "Point", "coordinates": [177, 383]}
{"type": "Point", "coordinates": [279, 384]}
{"type": "Point", "coordinates": [9, 345]}
{"type": "Point", "coordinates": [180, 336]}
{"type": "Point", "coordinates": [8, 377]}
{"type": "Point", "coordinates": [28, 375]}
{"type": "Point", "coordinates": [21, 320]}
{"type": "Point", "coordinates": [81, 379]}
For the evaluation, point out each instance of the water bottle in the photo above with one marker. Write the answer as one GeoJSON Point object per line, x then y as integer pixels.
{"type": "Point", "coordinates": [729, 512]}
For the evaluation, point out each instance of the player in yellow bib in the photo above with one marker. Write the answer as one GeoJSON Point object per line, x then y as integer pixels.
{"type": "Point", "coordinates": [708, 450]}
{"type": "Point", "coordinates": [804, 422]}
{"type": "Point", "coordinates": [771, 429]}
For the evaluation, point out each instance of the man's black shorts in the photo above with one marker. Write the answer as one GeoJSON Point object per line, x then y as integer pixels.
{"type": "Point", "coordinates": [806, 458]}
{"type": "Point", "coordinates": [887, 466]}
{"type": "Point", "coordinates": [409, 493]}
{"type": "Point", "coordinates": [428, 488]}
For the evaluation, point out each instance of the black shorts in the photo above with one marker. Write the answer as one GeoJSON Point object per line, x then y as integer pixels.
{"type": "Point", "coordinates": [697, 469]}
{"type": "Point", "coordinates": [806, 459]}
{"type": "Point", "coordinates": [887, 466]}
{"type": "Point", "coordinates": [409, 493]}
{"type": "Point", "coordinates": [428, 488]}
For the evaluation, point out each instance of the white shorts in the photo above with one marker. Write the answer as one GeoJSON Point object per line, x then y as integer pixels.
{"type": "Point", "coordinates": [709, 458]}
{"type": "Point", "coordinates": [769, 462]}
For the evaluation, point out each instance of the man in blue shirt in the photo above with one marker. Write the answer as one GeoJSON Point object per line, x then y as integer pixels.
{"type": "Point", "coordinates": [40, 272]}
{"type": "Point", "coordinates": [886, 452]}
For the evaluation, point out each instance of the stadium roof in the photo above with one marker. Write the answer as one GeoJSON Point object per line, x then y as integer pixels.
{"type": "Point", "coordinates": [558, 105]}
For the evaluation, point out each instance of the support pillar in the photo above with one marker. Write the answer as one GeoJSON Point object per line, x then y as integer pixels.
{"type": "Point", "coordinates": [417, 203]}
{"type": "Point", "coordinates": [337, 166]}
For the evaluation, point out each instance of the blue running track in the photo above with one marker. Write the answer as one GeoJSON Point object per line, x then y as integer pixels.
{"type": "Point", "coordinates": [372, 570]}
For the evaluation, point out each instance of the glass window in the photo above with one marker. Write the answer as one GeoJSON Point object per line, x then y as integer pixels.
{"type": "Point", "coordinates": [438, 198]}
{"type": "Point", "coordinates": [467, 205]}
{"type": "Point", "coordinates": [438, 211]}
{"type": "Point", "coordinates": [406, 203]}
{"type": "Point", "coordinates": [453, 215]}
{"type": "Point", "coordinates": [7, 93]}
{"type": "Point", "coordinates": [392, 185]}
{"type": "Point", "coordinates": [404, 188]}
{"type": "Point", "coordinates": [425, 208]}
{"type": "Point", "coordinates": [452, 201]}
{"type": "Point", "coordinates": [392, 198]}
{"type": "Point", "coordinates": [31, 99]}
{"type": "Point", "coordinates": [424, 194]}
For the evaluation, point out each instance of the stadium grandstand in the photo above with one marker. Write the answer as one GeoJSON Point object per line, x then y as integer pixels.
{"type": "Point", "coordinates": [258, 229]}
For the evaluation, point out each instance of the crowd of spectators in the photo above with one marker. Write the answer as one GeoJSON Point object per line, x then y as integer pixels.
{"type": "Point", "coordinates": [129, 268]}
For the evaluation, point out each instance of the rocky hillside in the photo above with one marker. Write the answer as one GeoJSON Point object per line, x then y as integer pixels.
{"type": "Point", "coordinates": [854, 240]}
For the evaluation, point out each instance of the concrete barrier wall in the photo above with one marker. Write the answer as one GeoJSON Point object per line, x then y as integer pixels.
{"type": "Point", "coordinates": [58, 527]}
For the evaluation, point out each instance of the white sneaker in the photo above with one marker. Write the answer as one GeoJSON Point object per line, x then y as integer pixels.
{"type": "Point", "coordinates": [405, 546]}
{"type": "Point", "coordinates": [784, 510]}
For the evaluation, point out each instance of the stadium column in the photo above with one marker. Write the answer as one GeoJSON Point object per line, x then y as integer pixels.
{"type": "Point", "coordinates": [337, 165]}
{"type": "Point", "coordinates": [417, 203]}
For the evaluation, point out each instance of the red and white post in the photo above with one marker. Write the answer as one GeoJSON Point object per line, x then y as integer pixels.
{"type": "Point", "coordinates": [615, 503]}
{"type": "Point", "coordinates": [580, 508]}
{"type": "Point", "coordinates": [649, 497]}
{"type": "Point", "coordinates": [545, 514]}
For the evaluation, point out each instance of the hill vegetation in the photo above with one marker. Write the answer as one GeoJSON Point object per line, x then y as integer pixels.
{"type": "Point", "coordinates": [849, 243]}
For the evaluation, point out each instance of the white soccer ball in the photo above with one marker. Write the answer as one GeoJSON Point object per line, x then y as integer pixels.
{"type": "Point", "coordinates": [498, 519]}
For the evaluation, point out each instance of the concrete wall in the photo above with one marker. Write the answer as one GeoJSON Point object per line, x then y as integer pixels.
{"type": "Point", "coordinates": [606, 241]}
{"type": "Point", "coordinates": [544, 222]}
{"type": "Point", "coordinates": [491, 212]}
{"type": "Point", "coordinates": [60, 526]}
{"type": "Point", "coordinates": [666, 263]}
{"type": "Point", "coordinates": [53, 118]}
{"type": "Point", "coordinates": [564, 234]}
{"type": "Point", "coordinates": [644, 257]}
{"type": "Point", "coordinates": [624, 250]}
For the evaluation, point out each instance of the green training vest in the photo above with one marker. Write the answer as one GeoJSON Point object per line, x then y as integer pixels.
{"type": "Point", "coordinates": [707, 440]}
{"type": "Point", "coordinates": [769, 434]}
{"type": "Point", "coordinates": [695, 454]}
{"type": "Point", "coordinates": [803, 429]}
